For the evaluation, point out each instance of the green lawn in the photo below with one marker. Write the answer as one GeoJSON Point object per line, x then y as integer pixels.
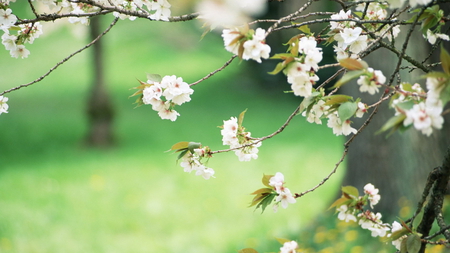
{"type": "Point", "coordinates": [57, 195]}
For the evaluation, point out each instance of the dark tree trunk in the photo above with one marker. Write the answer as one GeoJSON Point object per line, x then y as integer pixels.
{"type": "Point", "coordinates": [100, 111]}
{"type": "Point", "coordinates": [397, 165]}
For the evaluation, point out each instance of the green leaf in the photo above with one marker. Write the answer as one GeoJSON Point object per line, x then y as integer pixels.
{"type": "Point", "coordinates": [339, 202]}
{"type": "Point", "coordinates": [413, 243]}
{"type": "Point", "coordinates": [337, 99]}
{"type": "Point", "coordinates": [394, 123]}
{"type": "Point", "coordinates": [280, 66]}
{"type": "Point", "coordinates": [247, 250]}
{"type": "Point", "coordinates": [262, 190]}
{"type": "Point", "coordinates": [399, 233]}
{"type": "Point", "coordinates": [347, 77]}
{"type": "Point", "coordinates": [180, 145]}
{"type": "Point", "coordinates": [305, 29]}
{"type": "Point", "coordinates": [353, 64]}
{"type": "Point", "coordinates": [445, 59]}
{"type": "Point", "coordinates": [282, 56]}
{"type": "Point", "coordinates": [194, 145]}
{"type": "Point", "coordinates": [183, 152]}
{"type": "Point", "coordinates": [266, 201]}
{"type": "Point", "coordinates": [266, 179]}
{"type": "Point", "coordinates": [350, 190]}
{"type": "Point", "coordinates": [241, 118]}
{"type": "Point", "coordinates": [347, 110]}
{"type": "Point", "coordinates": [407, 105]}
{"type": "Point", "coordinates": [403, 247]}
{"type": "Point", "coordinates": [154, 77]}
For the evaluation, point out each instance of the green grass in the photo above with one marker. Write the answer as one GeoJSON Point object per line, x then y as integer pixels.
{"type": "Point", "coordinates": [56, 195]}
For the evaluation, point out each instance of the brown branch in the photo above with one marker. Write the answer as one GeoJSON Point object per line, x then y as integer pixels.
{"type": "Point", "coordinates": [63, 61]}
{"type": "Point", "coordinates": [432, 210]}
{"type": "Point", "coordinates": [215, 71]}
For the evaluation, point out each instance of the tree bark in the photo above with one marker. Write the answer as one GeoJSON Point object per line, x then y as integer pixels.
{"type": "Point", "coordinates": [397, 165]}
{"type": "Point", "coordinates": [100, 111]}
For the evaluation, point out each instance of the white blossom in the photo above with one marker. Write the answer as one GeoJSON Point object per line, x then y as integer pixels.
{"type": "Point", "coordinates": [7, 19]}
{"type": "Point", "coordinates": [19, 51]}
{"type": "Point", "coordinates": [424, 118]}
{"type": "Point", "coordinates": [277, 181]}
{"type": "Point", "coordinates": [374, 197]}
{"type": "Point", "coordinates": [3, 105]}
{"type": "Point", "coordinates": [345, 214]}
{"type": "Point", "coordinates": [285, 198]}
{"type": "Point", "coordinates": [289, 247]}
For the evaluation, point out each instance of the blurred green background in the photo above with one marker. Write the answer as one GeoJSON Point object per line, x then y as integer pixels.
{"type": "Point", "coordinates": [57, 195]}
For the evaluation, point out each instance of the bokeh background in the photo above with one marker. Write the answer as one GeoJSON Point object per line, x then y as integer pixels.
{"type": "Point", "coordinates": [59, 195]}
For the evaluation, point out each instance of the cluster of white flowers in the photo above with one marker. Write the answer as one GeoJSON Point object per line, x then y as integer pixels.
{"type": "Point", "coordinates": [3, 105]}
{"type": "Point", "coordinates": [301, 72]}
{"type": "Point", "coordinates": [174, 91]}
{"type": "Point", "coordinates": [285, 196]}
{"type": "Point", "coordinates": [349, 37]}
{"type": "Point", "coordinates": [425, 113]}
{"type": "Point", "coordinates": [371, 80]}
{"type": "Point", "coordinates": [252, 43]}
{"type": "Point", "coordinates": [227, 13]}
{"type": "Point", "coordinates": [340, 127]}
{"type": "Point", "coordinates": [320, 110]}
{"type": "Point", "coordinates": [192, 162]}
{"type": "Point", "coordinates": [289, 247]}
{"type": "Point", "coordinates": [235, 136]}
{"type": "Point", "coordinates": [15, 37]}
{"type": "Point", "coordinates": [371, 221]}
{"type": "Point", "coordinates": [366, 219]}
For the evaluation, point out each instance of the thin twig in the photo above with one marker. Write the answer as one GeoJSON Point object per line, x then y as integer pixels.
{"type": "Point", "coordinates": [63, 61]}
{"type": "Point", "coordinates": [215, 71]}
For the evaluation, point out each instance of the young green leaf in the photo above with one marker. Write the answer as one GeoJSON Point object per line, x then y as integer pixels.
{"type": "Point", "coordinates": [180, 146]}
{"type": "Point", "coordinates": [394, 123]}
{"type": "Point", "coordinates": [266, 179]}
{"type": "Point", "coordinates": [305, 29]}
{"type": "Point", "coordinates": [241, 118]}
{"type": "Point", "coordinates": [347, 77]}
{"type": "Point", "coordinates": [337, 99]}
{"type": "Point", "coordinates": [350, 190]}
{"type": "Point", "coordinates": [347, 110]}
{"type": "Point", "coordinates": [353, 64]}
{"type": "Point", "coordinates": [266, 201]}
{"type": "Point", "coordinates": [445, 59]}
{"type": "Point", "coordinates": [154, 77]}
{"type": "Point", "coordinates": [339, 202]}
{"type": "Point", "coordinates": [194, 145]}
{"type": "Point", "coordinates": [413, 243]}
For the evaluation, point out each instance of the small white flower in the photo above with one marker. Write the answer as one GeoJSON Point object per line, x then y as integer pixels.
{"type": "Point", "coordinates": [7, 19]}
{"type": "Point", "coordinates": [345, 214]}
{"type": "Point", "coordinates": [286, 198]}
{"type": "Point", "coordinates": [349, 35]}
{"type": "Point", "coordinates": [19, 51]}
{"type": "Point", "coordinates": [3, 105]}
{"type": "Point", "coordinates": [289, 247]}
{"type": "Point", "coordinates": [277, 181]}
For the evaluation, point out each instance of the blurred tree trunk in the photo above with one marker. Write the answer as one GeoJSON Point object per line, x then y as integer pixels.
{"type": "Point", "coordinates": [397, 165]}
{"type": "Point", "coordinates": [100, 111]}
